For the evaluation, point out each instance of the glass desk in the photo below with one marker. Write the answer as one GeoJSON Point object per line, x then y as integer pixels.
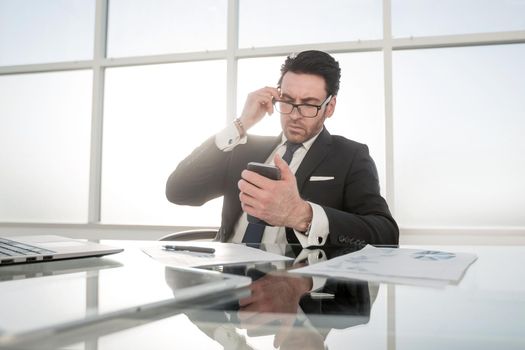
{"type": "Point", "coordinates": [486, 310]}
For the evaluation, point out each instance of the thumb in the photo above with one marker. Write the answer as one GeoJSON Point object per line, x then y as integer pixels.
{"type": "Point", "coordinates": [286, 172]}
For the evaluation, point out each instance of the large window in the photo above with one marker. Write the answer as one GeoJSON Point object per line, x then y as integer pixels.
{"type": "Point", "coordinates": [292, 22]}
{"type": "Point", "coordinates": [44, 146]}
{"type": "Point", "coordinates": [41, 31]}
{"type": "Point", "coordinates": [459, 146]}
{"type": "Point", "coordinates": [148, 27]}
{"type": "Point", "coordinates": [99, 101]}
{"type": "Point", "coordinates": [411, 18]}
{"type": "Point", "coordinates": [360, 111]}
{"type": "Point", "coordinates": [154, 116]}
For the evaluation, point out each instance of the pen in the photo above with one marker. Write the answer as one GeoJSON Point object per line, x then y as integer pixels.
{"type": "Point", "coordinates": [189, 248]}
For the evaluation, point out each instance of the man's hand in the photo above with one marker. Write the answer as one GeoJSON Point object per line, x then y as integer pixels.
{"type": "Point", "coordinates": [257, 104]}
{"type": "Point", "coordinates": [275, 293]}
{"type": "Point", "coordinates": [273, 297]}
{"type": "Point", "coordinates": [276, 202]}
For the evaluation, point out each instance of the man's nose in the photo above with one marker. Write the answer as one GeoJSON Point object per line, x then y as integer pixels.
{"type": "Point", "coordinates": [295, 114]}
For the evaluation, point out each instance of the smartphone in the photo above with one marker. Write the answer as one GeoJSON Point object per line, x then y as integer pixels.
{"type": "Point", "coordinates": [269, 171]}
{"type": "Point", "coordinates": [266, 170]}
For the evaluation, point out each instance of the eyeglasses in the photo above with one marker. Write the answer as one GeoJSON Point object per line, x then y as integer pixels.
{"type": "Point", "coordinates": [307, 110]}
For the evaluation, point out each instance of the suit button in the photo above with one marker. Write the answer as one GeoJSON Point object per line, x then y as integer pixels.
{"type": "Point", "coordinates": [341, 239]}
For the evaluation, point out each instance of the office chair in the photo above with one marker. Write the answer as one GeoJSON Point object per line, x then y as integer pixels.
{"type": "Point", "coordinates": [205, 234]}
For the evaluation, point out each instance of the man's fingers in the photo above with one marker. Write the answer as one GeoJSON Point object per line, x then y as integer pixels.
{"type": "Point", "coordinates": [250, 197]}
{"type": "Point", "coordinates": [266, 95]}
{"type": "Point", "coordinates": [270, 94]}
{"type": "Point", "coordinates": [247, 203]}
{"type": "Point", "coordinates": [255, 179]}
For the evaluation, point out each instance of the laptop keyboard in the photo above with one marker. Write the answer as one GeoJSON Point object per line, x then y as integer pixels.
{"type": "Point", "coordinates": [13, 248]}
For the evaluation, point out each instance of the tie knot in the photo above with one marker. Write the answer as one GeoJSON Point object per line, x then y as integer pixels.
{"type": "Point", "coordinates": [292, 146]}
{"type": "Point", "coordinates": [290, 150]}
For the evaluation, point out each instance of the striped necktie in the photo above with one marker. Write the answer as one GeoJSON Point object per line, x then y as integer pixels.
{"type": "Point", "coordinates": [254, 232]}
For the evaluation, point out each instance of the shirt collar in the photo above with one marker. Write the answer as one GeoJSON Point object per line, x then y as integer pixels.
{"type": "Point", "coordinates": [307, 144]}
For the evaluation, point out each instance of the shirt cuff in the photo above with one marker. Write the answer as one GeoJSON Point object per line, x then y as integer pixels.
{"type": "Point", "coordinates": [313, 257]}
{"type": "Point", "coordinates": [228, 138]}
{"type": "Point", "coordinates": [319, 229]}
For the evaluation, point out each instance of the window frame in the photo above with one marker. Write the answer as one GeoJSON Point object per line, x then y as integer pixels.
{"type": "Point", "coordinates": [99, 63]}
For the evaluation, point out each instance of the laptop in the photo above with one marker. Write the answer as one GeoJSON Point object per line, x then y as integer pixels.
{"type": "Point", "coordinates": [30, 249]}
{"type": "Point", "coordinates": [53, 311]}
{"type": "Point", "coordinates": [14, 272]}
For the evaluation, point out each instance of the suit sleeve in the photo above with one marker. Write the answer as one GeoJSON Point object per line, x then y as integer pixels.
{"type": "Point", "coordinates": [199, 177]}
{"type": "Point", "coordinates": [365, 217]}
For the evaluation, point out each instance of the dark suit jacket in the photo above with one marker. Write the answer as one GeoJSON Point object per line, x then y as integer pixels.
{"type": "Point", "coordinates": [356, 211]}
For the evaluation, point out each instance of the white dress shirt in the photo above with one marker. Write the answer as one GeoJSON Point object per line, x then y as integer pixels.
{"type": "Point", "coordinates": [226, 141]}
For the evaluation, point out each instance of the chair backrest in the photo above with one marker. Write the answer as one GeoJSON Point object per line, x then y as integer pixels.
{"type": "Point", "coordinates": [191, 235]}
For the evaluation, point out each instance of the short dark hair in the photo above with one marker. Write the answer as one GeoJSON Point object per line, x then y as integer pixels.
{"type": "Point", "coordinates": [317, 63]}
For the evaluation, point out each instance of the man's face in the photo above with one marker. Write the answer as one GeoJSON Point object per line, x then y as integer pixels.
{"type": "Point", "coordinates": [304, 88]}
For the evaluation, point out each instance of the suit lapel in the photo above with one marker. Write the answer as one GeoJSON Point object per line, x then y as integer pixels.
{"type": "Point", "coordinates": [315, 155]}
{"type": "Point", "coordinates": [257, 150]}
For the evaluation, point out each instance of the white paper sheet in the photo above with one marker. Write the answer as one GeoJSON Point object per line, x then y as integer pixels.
{"type": "Point", "coordinates": [225, 254]}
{"type": "Point", "coordinates": [395, 265]}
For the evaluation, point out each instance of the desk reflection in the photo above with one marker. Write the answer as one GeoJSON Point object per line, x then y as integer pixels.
{"type": "Point", "coordinates": [297, 311]}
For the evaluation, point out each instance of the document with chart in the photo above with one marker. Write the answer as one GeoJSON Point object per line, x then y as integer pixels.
{"type": "Point", "coordinates": [396, 265]}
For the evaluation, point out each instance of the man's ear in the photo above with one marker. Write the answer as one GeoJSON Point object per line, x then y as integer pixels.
{"type": "Point", "coordinates": [330, 107]}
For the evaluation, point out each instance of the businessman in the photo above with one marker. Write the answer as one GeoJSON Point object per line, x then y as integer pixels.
{"type": "Point", "coordinates": [329, 189]}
